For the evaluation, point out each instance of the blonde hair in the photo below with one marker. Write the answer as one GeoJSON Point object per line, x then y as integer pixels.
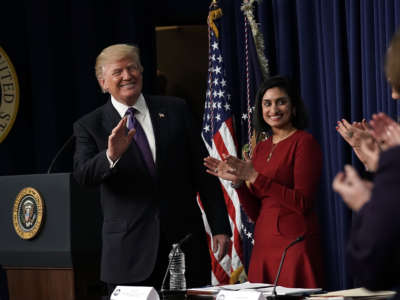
{"type": "Point", "coordinates": [115, 53]}
{"type": "Point", "coordinates": [392, 64]}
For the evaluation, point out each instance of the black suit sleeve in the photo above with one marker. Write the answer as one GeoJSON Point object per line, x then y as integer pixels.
{"type": "Point", "coordinates": [374, 245]}
{"type": "Point", "coordinates": [91, 165]}
{"type": "Point", "coordinates": [208, 186]}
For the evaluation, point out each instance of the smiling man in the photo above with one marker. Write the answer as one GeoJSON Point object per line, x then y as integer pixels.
{"type": "Point", "coordinates": [146, 156]}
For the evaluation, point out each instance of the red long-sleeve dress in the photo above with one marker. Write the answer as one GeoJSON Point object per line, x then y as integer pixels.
{"type": "Point", "coordinates": [281, 204]}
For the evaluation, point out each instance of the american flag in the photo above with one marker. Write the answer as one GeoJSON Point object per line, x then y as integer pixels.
{"type": "Point", "coordinates": [219, 137]}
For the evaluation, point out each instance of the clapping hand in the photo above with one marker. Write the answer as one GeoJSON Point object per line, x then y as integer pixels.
{"type": "Point", "coordinates": [231, 168]}
{"type": "Point", "coordinates": [119, 140]}
{"type": "Point", "coordinates": [354, 190]}
{"type": "Point", "coordinates": [370, 151]}
{"type": "Point", "coordinates": [353, 133]}
{"type": "Point", "coordinates": [219, 168]}
{"type": "Point", "coordinates": [242, 169]}
{"type": "Point", "coordinates": [358, 135]}
{"type": "Point", "coordinates": [385, 130]}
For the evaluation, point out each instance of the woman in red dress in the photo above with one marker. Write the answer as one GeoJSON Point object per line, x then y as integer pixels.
{"type": "Point", "coordinates": [281, 184]}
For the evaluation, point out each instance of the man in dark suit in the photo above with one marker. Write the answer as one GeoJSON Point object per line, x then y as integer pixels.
{"type": "Point", "coordinates": [146, 156]}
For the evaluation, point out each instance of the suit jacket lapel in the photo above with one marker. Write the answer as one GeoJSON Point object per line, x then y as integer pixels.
{"type": "Point", "coordinates": [111, 117]}
{"type": "Point", "coordinates": [158, 114]}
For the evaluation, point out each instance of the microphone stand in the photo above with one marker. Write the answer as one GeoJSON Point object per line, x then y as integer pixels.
{"type": "Point", "coordinates": [58, 153]}
{"type": "Point", "coordinates": [297, 240]}
{"type": "Point", "coordinates": [162, 289]}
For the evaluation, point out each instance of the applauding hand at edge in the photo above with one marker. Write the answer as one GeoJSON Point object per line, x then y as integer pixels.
{"type": "Point", "coordinates": [354, 190]}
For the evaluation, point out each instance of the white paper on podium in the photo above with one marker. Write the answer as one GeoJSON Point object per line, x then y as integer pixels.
{"type": "Point", "coordinates": [264, 288]}
{"type": "Point", "coordinates": [134, 292]}
{"type": "Point", "coordinates": [240, 295]}
{"type": "Point", "coordinates": [284, 291]}
{"type": "Point", "coordinates": [244, 286]}
{"type": "Point", "coordinates": [230, 287]}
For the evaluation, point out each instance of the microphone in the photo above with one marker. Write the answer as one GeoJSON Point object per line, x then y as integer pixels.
{"type": "Point", "coordinates": [184, 239]}
{"type": "Point", "coordinates": [173, 255]}
{"type": "Point", "coordinates": [59, 152]}
{"type": "Point", "coordinates": [297, 240]}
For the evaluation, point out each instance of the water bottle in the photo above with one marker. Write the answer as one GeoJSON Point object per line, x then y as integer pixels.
{"type": "Point", "coordinates": [177, 279]}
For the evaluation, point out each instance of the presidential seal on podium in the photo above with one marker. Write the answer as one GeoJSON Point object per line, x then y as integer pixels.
{"type": "Point", "coordinates": [28, 213]}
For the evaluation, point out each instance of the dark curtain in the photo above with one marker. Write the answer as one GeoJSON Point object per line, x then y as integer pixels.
{"type": "Point", "coordinates": [335, 50]}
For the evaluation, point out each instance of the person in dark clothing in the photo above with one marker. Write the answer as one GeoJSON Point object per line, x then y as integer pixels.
{"type": "Point", "coordinates": [374, 243]}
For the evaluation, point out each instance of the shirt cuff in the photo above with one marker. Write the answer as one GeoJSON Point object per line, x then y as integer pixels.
{"type": "Point", "coordinates": [112, 163]}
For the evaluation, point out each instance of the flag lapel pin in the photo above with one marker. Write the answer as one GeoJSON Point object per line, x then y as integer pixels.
{"type": "Point", "coordinates": [161, 115]}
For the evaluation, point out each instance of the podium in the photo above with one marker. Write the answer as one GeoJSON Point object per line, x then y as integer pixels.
{"type": "Point", "coordinates": [62, 260]}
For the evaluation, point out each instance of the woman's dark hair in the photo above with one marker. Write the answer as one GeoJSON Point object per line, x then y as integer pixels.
{"type": "Point", "coordinates": [299, 118]}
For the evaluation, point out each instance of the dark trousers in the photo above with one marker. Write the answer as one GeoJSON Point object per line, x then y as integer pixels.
{"type": "Point", "coordinates": [156, 277]}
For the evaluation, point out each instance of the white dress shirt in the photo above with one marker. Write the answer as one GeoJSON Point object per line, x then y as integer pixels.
{"type": "Point", "coordinates": [143, 117]}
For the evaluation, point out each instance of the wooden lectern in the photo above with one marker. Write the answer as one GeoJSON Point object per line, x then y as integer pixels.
{"type": "Point", "coordinates": [62, 260]}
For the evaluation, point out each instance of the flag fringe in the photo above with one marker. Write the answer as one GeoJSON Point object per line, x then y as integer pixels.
{"type": "Point", "coordinates": [213, 15]}
{"type": "Point", "coordinates": [247, 8]}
